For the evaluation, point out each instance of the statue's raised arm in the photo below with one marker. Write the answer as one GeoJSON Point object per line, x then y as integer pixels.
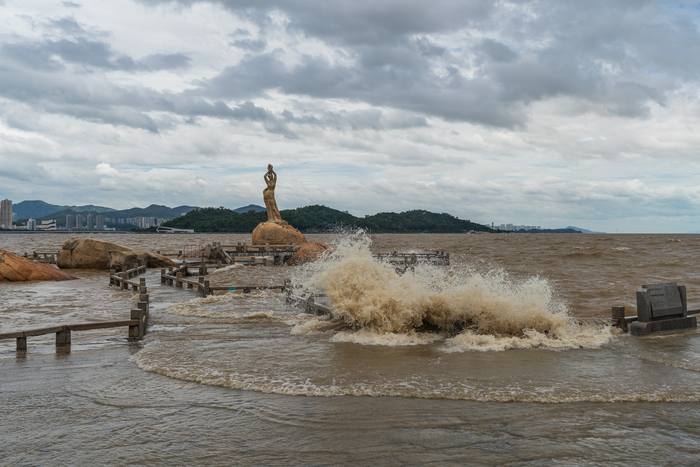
{"type": "Point", "coordinates": [270, 177]}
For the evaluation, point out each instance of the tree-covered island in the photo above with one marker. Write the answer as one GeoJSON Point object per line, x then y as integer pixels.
{"type": "Point", "coordinates": [322, 219]}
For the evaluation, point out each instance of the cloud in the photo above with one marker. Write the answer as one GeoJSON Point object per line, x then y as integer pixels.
{"type": "Point", "coordinates": [105, 170]}
{"type": "Point", "coordinates": [496, 51]}
{"type": "Point", "coordinates": [251, 45]}
{"type": "Point", "coordinates": [157, 62]}
{"type": "Point", "coordinates": [67, 24]}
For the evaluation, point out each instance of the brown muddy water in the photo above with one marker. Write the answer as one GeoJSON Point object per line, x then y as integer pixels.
{"type": "Point", "coordinates": [248, 380]}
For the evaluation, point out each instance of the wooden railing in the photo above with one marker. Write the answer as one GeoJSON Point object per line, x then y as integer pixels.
{"type": "Point", "coordinates": [43, 256]}
{"type": "Point", "coordinates": [121, 279]}
{"type": "Point", "coordinates": [177, 276]}
{"type": "Point", "coordinates": [137, 326]}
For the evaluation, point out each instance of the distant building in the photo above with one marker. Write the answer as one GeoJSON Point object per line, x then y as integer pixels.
{"type": "Point", "coordinates": [90, 222]}
{"type": "Point", "coordinates": [515, 228]}
{"type": "Point", "coordinates": [100, 222]}
{"type": "Point", "coordinates": [14, 217]}
{"type": "Point", "coordinates": [6, 214]}
{"type": "Point", "coordinates": [79, 221]}
{"type": "Point", "coordinates": [31, 224]}
{"type": "Point", "coordinates": [70, 221]}
{"type": "Point", "coordinates": [47, 225]}
{"type": "Point", "coordinates": [173, 230]}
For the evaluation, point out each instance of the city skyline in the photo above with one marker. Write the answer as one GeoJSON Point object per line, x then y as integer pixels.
{"type": "Point", "coordinates": [546, 113]}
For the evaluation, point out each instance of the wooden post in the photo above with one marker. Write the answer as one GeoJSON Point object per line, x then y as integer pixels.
{"type": "Point", "coordinates": [204, 264]}
{"type": "Point", "coordinates": [63, 338]}
{"type": "Point", "coordinates": [21, 344]}
{"type": "Point", "coordinates": [111, 273]}
{"type": "Point", "coordinates": [618, 314]}
{"type": "Point", "coordinates": [178, 281]}
{"type": "Point", "coordinates": [123, 275]}
{"type": "Point", "coordinates": [162, 276]}
{"type": "Point", "coordinates": [206, 288]}
{"type": "Point", "coordinates": [142, 283]}
{"type": "Point", "coordinates": [138, 331]}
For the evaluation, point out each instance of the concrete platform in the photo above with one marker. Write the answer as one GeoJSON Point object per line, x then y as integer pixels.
{"type": "Point", "coordinates": [638, 328]}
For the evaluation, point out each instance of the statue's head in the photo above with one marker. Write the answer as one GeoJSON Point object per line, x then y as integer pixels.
{"type": "Point", "coordinates": [269, 167]}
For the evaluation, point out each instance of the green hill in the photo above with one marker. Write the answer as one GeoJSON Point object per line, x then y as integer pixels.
{"type": "Point", "coordinates": [39, 209]}
{"type": "Point", "coordinates": [322, 218]}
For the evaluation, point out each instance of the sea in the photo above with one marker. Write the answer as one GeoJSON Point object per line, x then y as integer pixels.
{"type": "Point", "coordinates": [486, 361]}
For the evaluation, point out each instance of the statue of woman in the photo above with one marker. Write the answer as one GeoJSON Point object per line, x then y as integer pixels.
{"type": "Point", "coordinates": [273, 214]}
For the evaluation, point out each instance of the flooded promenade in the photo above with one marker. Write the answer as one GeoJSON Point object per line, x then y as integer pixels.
{"type": "Point", "coordinates": [247, 379]}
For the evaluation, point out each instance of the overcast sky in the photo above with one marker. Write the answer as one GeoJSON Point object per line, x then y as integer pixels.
{"type": "Point", "coordinates": [550, 113]}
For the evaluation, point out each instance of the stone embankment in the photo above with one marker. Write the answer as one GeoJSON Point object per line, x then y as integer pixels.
{"type": "Point", "coordinates": [15, 268]}
{"type": "Point", "coordinates": [89, 253]}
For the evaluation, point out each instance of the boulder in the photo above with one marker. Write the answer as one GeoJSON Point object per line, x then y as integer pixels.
{"type": "Point", "coordinates": [277, 234]}
{"type": "Point", "coordinates": [15, 268]}
{"type": "Point", "coordinates": [310, 252]}
{"type": "Point", "coordinates": [89, 253]}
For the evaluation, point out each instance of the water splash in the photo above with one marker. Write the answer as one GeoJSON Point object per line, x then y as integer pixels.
{"type": "Point", "coordinates": [469, 310]}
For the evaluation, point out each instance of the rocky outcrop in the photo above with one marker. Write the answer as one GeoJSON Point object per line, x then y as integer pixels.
{"type": "Point", "coordinates": [277, 234]}
{"type": "Point", "coordinates": [310, 252]}
{"type": "Point", "coordinates": [89, 253]}
{"type": "Point", "coordinates": [15, 268]}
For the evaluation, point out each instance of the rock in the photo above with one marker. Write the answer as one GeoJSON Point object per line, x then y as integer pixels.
{"type": "Point", "coordinates": [277, 234]}
{"type": "Point", "coordinates": [89, 253]}
{"type": "Point", "coordinates": [15, 268]}
{"type": "Point", "coordinates": [310, 252]}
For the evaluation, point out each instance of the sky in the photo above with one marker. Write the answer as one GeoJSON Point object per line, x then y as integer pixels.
{"type": "Point", "coordinates": [549, 113]}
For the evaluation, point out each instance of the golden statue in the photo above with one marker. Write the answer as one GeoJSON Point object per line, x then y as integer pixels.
{"type": "Point", "coordinates": [275, 231]}
{"type": "Point", "coordinates": [273, 213]}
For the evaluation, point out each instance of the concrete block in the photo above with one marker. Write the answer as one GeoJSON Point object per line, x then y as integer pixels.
{"type": "Point", "coordinates": [640, 328]}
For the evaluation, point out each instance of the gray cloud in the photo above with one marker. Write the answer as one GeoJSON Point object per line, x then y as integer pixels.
{"type": "Point", "coordinates": [618, 55]}
{"type": "Point", "coordinates": [496, 51]}
{"type": "Point", "coordinates": [157, 62]}
{"type": "Point", "coordinates": [81, 51]}
{"type": "Point", "coordinates": [251, 45]}
{"type": "Point", "coordinates": [71, 4]}
{"type": "Point", "coordinates": [67, 25]}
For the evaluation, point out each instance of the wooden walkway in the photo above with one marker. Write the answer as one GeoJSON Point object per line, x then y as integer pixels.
{"type": "Point", "coordinates": [178, 277]}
